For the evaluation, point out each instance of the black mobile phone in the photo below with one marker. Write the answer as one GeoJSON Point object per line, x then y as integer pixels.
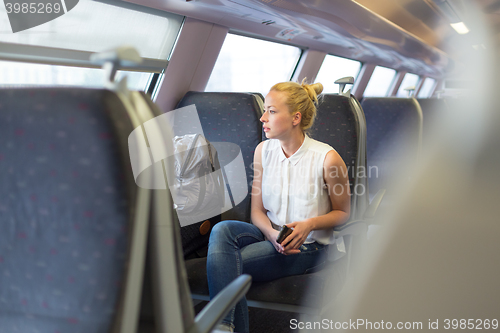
{"type": "Point", "coordinates": [284, 232]}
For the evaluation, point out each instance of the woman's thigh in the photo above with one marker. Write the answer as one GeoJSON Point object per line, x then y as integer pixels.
{"type": "Point", "coordinates": [264, 263]}
{"type": "Point", "coordinates": [232, 233]}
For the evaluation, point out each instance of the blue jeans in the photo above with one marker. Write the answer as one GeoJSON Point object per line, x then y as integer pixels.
{"type": "Point", "coordinates": [237, 248]}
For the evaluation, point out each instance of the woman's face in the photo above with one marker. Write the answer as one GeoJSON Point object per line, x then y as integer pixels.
{"type": "Point", "coordinates": [277, 120]}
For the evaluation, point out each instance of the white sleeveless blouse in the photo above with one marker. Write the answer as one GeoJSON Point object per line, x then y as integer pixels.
{"type": "Point", "coordinates": [293, 189]}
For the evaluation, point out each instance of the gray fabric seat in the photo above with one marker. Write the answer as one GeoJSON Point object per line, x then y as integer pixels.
{"type": "Point", "coordinates": [394, 138]}
{"type": "Point", "coordinates": [230, 117]}
{"type": "Point", "coordinates": [67, 210]}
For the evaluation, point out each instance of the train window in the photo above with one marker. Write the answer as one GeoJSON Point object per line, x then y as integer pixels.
{"type": "Point", "coordinates": [252, 65]}
{"type": "Point", "coordinates": [82, 29]}
{"type": "Point", "coordinates": [334, 68]}
{"type": "Point", "coordinates": [427, 88]}
{"type": "Point", "coordinates": [57, 53]}
{"type": "Point", "coordinates": [408, 81]}
{"type": "Point", "coordinates": [17, 74]}
{"type": "Point", "coordinates": [380, 82]}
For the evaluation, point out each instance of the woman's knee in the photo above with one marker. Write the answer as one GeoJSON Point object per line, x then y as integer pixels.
{"type": "Point", "coordinates": [232, 230]}
{"type": "Point", "coordinates": [222, 230]}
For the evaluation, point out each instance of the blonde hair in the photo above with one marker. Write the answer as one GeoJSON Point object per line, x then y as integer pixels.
{"type": "Point", "coordinates": [301, 98]}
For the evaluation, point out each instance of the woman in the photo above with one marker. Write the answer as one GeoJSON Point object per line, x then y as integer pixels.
{"type": "Point", "coordinates": [297, 181]}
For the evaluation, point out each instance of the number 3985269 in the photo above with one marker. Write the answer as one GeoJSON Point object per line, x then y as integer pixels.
{"type": "Point", "coordinates": [33, 8]}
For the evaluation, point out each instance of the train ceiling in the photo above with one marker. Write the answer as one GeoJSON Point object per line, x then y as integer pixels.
{"type": "Point", "coordinates": [430, 20]}
{"type": "Point", "coordinates": [409, 35]}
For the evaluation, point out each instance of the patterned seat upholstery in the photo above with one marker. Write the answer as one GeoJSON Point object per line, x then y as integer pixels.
{"type": "Point", "coordinates": [394, 131]}
{"type": "Point", "coordinates": [231, 117]}
{"type": "Point", "coordinates": [65, 208]}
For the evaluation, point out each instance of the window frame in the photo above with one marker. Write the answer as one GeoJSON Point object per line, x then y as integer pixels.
{"type": "Point", "coordinates": [53, 56]}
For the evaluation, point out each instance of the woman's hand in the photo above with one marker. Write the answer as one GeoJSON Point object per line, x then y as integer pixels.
{"type": "Point", "coordinates": [273, 234]}
{"type": "Point", "coordinates": [299, 235]}
{"type": "Point", "coordinates": [272, 238]}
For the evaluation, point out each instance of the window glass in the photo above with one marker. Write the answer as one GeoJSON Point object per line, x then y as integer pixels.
{"type": "Point", "coordinates": [334, 68]}
{"type": "Point", "coordinates": [82, 29]}
{"type": "Point", "coordinates": [427, 88]}
{"type": "Point", "coordinates": [18, 74]}
{"type": "Point", "coordinates": [380, 82]}
{"type": "Point", "coordinates": [252, 65]}
{"type": "Point", "coordinates": [408, 81]}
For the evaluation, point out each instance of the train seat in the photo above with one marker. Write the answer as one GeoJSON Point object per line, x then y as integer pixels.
{"type": "Point", "coordinates": [432, 109]}
{"type": "Point", "coordinates": [230, 117]}
{"type": "Point", "coordinates": [69, 209]}
{"type": "Point", "coordinates": [172, 305]}
{"type": "Point", "coordinates": [286, 294]}
{"type": "Point", "coordinates": [394, 130]}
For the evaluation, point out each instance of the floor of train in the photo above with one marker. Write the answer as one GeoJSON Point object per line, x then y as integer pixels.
{"type": "Point", "coordinates": [261, 320]}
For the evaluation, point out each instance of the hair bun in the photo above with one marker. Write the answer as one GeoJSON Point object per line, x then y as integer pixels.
{"type": "Point", "coordinates": [313, 90]}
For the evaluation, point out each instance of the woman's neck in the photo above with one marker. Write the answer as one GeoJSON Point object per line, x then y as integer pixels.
{"type": "Point", "coordinates": [292, 144]}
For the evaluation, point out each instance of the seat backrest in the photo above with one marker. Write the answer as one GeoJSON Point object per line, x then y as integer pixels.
{"type": "Point", "coordinates": [231, 117]}
{"type": "Point", "coordinates": [173, 307]}
{"type": "Point", "coordinates": [260, 101]}
{"type": "Point", "coordinates": [394, 128]}
{"type": "Point", "coordinates": [67, 209]}
{"type": "Point", "coordinates": [432, 108]}
{"type": "Point", "coordinates": [340, 123]}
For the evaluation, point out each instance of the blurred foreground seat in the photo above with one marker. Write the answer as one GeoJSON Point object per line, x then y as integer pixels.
{"type": "Point", "coordinates": [436, 263]}
{"type": "Point", "coordinates": [73, 239]}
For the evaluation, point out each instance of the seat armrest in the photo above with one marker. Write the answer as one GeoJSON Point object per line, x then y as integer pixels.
{"type": "Point", "coordinates": [354, 227]}
{"type": "Point", "coordinates": [213, 313]}
{"type": "Point", "coordinates": [373, 207]}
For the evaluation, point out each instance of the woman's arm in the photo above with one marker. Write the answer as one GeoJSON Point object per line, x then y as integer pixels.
{"type": "Point", "coordinates": [259, 214]}
{"type": "Point", "coordinates": [337, 182]}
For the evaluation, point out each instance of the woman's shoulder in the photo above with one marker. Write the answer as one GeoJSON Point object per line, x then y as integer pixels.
{"type": "Point", "coordinates": [270, 144]}
{"type": "Point", "coordinates": [326, 153]}
{"type": "Point", "coordinates": [319, 146]}
{"type": "Point", "coordinates": [264, 147]}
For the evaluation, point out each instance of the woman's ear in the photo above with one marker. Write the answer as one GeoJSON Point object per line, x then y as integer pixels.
{"type": "Point", "coordinates": [297, 117]}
